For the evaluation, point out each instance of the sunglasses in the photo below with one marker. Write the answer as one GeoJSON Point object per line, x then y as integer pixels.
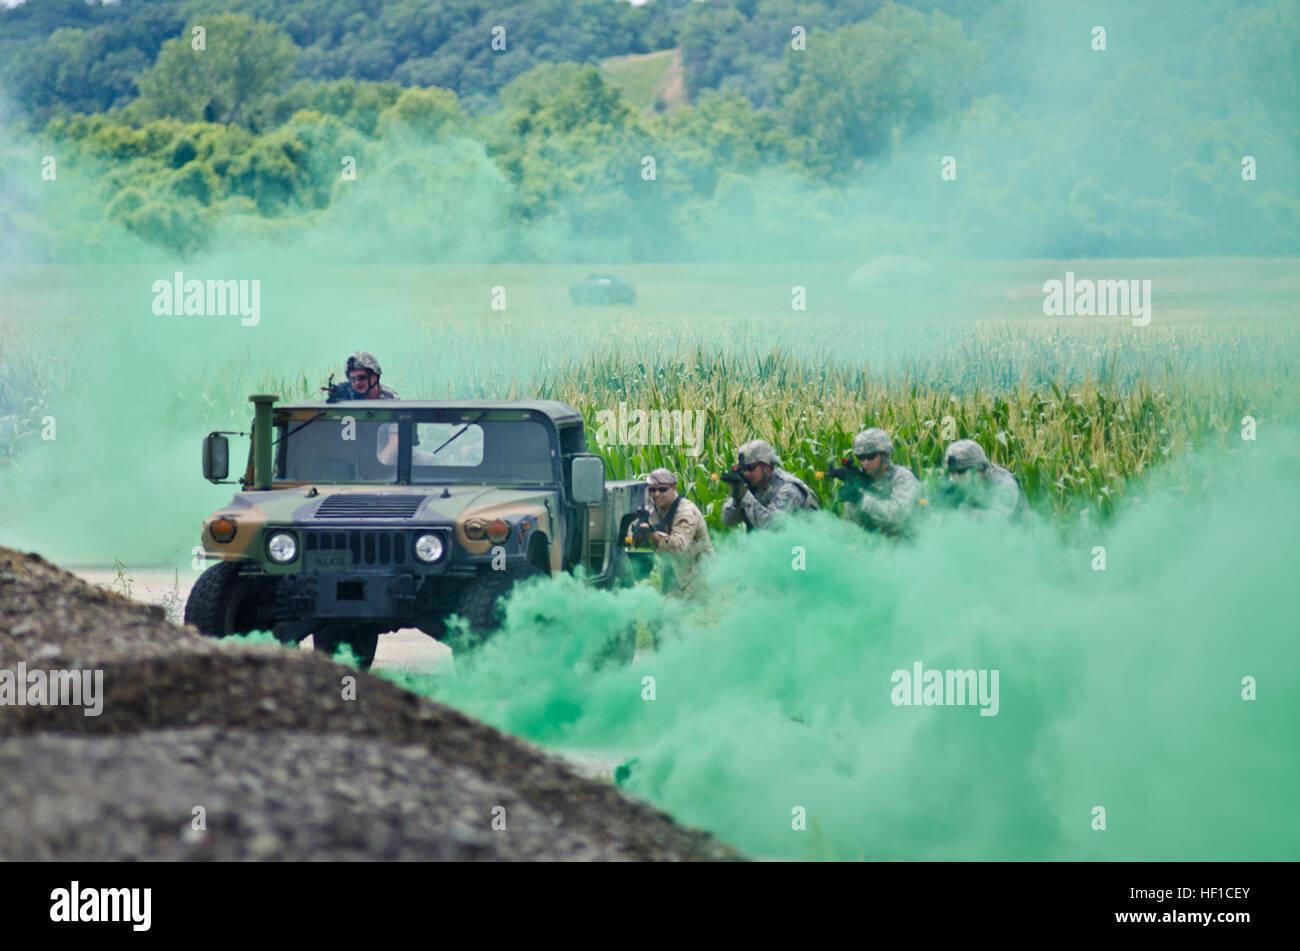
{"type": "Point", "coordinates": [359, 377]}
{"type": "Point", "coordinates": [659, 488]}
{"type": "Point", "coordinates": [751, 467]}
{"type": "Point", "coordinates": [867, 456]}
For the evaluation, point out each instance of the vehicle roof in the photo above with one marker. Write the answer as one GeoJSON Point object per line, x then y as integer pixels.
{"type": "Point", "coordinates": [559, 413]}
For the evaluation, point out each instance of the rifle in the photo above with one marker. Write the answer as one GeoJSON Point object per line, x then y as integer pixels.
{"type": "Point", "coordinates": [734, 479]}
{"type": "Point", "coordinates": [851, 475]}
{"type": "Point", "coordinates": [846, 470]}
{"type": "Point", "coordinates": [336, 392]}
{"type": "Point", "coordinates": [641, 528]}
{"type": "Point", "coordinates": [645, 523]}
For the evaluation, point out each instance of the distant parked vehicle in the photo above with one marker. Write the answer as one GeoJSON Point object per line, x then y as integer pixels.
{"type": "Point", "coordinates": [602, 289]}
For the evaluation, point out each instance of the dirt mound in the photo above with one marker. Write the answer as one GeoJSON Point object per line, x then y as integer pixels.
{"type": "Point", "coordinates": [50, 616]}
{"type": "Point", "coordinates": [285, 756]}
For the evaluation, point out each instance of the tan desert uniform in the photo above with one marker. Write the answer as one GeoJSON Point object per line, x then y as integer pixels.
{"type": "Point", "coordinates": [688, 541]}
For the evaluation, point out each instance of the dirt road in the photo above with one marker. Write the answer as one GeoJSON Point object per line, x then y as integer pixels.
{"type": "Point", "coordinates": [407, 649]}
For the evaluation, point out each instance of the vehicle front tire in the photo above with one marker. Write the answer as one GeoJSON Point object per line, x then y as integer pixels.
{"type": "Point", "coordinates": [224, 602]}
{"type": "Point", "coordinates": [480, 602]}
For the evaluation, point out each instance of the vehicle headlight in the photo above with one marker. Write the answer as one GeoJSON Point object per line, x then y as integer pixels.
{"type": "Point", "coordinates": [282, 548]}
{"type": "Point", "coordinates": [429, 547]}
{"type": "Point", "coordinates": [223, 529]}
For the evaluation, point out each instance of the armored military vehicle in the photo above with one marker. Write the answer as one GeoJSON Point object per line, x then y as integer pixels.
{"type": "Point", "coordinates": [358, 518]}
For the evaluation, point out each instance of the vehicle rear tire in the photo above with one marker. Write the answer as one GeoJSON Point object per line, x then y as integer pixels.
{"type": "Point", "coordinates": [363, 642]}
{"type": "Point", "coordinates": [224, 602]}
{"type": "Point", "coordinates": [480, 601]}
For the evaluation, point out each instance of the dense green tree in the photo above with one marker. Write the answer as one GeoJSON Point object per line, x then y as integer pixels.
{"type": "Point", "coordinates": [414, 42]}
{"type": "Point", "coordinates": [356, 104]}
{"type": "Point", "coordinates": [93, 63]}
{"type": "Point", "coordinates": [867, 81]}
{"type": "Point", "coordinates": [242, 60]}
{"type": "Point", "coordinates": [1062, 151]}
{"type": "Point", "coordinates": [727, 128]}
{"type": "Point", "coordinates": [740, 45]}
{"type": "Point", "coordinates": [424, 113]}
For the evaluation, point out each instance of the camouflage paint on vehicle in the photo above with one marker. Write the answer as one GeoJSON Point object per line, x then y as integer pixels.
{"type": "Point", "coordinates": [354, 538]}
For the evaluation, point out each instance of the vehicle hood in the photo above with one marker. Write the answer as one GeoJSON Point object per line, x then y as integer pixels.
{"type": "Point", "coordinates": [405, 504]}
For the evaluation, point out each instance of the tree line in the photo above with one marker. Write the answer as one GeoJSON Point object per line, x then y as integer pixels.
{"type": "Point", "coordinates": [257, 125]}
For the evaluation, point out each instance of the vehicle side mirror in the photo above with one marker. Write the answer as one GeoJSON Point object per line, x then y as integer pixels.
{"type": "Point", "coordinates": [588, 479]}
{"type": "Point", "coordinates": [216, 457]}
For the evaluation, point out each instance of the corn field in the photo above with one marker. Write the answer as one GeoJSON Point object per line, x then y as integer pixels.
{"type": "Point", "coordinates": [1073, 446]}
{"type": "Point", "coordinates": [1075, 439]}
{"type": "Point", "coordinates": [1076, 411]}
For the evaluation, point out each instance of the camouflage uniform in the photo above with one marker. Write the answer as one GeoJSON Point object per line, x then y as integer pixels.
{"type": "Point", "coordinates": [1002, 496]}
{"type": "Point", "coordinates": [886, 503]}
{"type": "Point", "coordinates": [784, 492]}
{"type": "Point", "coordinates": [361, 360]}
{"type": "Point", "coordinates": [995, 491]}
{"type": "Point", "coordinates": [883, 502]}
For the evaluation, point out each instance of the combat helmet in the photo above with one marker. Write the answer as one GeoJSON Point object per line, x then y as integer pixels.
{"type": "Point", "coordinates": [871, 441]}
{"type": "Point", "coordinates": [965, 454]}
{"type": "Point", "coordinates": [757, 450]}
{"type": "Point", "coordinates": [364, 360]}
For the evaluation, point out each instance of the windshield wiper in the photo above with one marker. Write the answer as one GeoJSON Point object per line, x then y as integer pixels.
{"type": "Point", "coordinates": [458, 432]}
{"type": "Point", "coordinates": [288, 433]}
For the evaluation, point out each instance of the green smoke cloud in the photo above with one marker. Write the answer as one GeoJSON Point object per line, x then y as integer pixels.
{"type": "Point", "coordinates": [1120, 689]}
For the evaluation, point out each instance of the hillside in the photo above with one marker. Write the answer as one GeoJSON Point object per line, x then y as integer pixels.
{"type": "Point", "coordinates": [651, 82]}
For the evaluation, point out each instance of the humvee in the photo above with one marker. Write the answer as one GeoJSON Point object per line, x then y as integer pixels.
{"type": "Point", "coordinates": [359, 518]}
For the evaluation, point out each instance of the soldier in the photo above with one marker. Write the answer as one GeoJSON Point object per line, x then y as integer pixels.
{"type": "Point", "coordinates": [363, 380]}
{"type": "Point", "coordinates": [363, 384]}
{"type": "Point", "coordinates": [978, 485]}
{"type": "Point", "coordinates": [767, 489]}
{"type": "Point", "coordinates": [679, 532]}
{"type": "Point", "coordinates": [883, 499]}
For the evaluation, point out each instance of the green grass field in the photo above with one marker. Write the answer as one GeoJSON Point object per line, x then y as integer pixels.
{"type": "Point", "coordinates": [651, 82]}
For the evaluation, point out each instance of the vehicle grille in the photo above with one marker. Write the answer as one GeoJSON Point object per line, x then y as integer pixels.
{"type": "Point", "coordinates": [368, 548]}
{"type": "Point", "coordinates": [348, 505]}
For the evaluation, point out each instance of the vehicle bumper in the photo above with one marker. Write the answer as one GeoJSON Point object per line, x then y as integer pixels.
{"type": "Point", "coordinates": [351, 595]}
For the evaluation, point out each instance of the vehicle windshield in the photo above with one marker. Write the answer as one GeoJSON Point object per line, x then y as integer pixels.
{"type": "Point", "coordinates": [351, 450]}
{"type": "Point", "coordinates": [503, 450]}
